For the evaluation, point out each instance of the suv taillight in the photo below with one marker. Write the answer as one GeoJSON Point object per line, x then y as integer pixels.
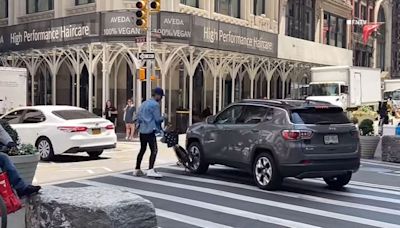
{"type": "Point", "coordinates": [294, 135]}
{"type": "Point", "coordinates": [70, 129]}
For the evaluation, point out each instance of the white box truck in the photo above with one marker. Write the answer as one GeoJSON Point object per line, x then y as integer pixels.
{"type": "Point", "coordinates": [391, 88]}
{"type": "Point", "coordinates": [13, 88]}
{"type": "Point", "coordinates": [346, 86]}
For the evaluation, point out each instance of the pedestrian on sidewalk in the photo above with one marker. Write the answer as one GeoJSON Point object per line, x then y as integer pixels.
{"type": "Point", "coordinates": [7, 166]}
{"type": "Point", "coordinates": [149, 120]}
{"type": "Point", "coordinates": [110, 112]}
{"type": "Point", "coordinates": [129, 119]}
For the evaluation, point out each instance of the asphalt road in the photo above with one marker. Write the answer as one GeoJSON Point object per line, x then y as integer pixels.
{"type": "Point", "coordinates": [226, 197]}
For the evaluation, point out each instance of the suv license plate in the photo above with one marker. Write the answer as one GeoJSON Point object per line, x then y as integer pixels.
{"type": "Point", "coordinates": [96, 131]}
{"type": "Point", "coordinates": [331, 139]}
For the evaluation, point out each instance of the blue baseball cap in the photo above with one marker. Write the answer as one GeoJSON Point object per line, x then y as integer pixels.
{"type": "Point", "coordinates": [158, 91]}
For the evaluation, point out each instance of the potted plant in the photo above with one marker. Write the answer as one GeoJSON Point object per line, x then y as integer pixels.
{"type": "Point", "coordinates": [25, 156]}
{"type": "Point", "coordinates": [368, 140]}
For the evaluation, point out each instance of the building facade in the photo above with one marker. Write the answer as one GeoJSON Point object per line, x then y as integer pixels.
{"type": "Point", "coordinates": [395, 42]}
{"type": "Point", "coordinates": [209, 53]}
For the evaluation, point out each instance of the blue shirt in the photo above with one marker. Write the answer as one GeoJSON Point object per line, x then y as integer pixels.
{"type": "Point", "coordinates": [149, 117]}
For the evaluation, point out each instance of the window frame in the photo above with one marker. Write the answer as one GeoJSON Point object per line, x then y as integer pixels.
{"type": "Point", "coordinates": [197, 4]}
{"type": "Point", "coordinates": [337, 34]}
{"type": "Point", "coordinates": [263, 5]}
{"type": "Point", "coordinates": [6, 10]}
{"type": "Point", "coordinates": [226, 110]}
{"type": "Point", "coordinates": [19, 119]}
{"type": "Point", "coordinates": [23, 119]}
{"type": "Point", "coordinates": [230, 9]}
{"type": "Point", "coordinates": [265, 117]}
{"type": "Point", "coordinates": [37, 10]}
{"type": "Point", "coordinates": [296, 24]}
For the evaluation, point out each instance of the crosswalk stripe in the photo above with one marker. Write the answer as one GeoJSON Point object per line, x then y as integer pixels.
{"type": "Point", "coordinates": [368, 188]}
{"type": "Point", "coordinates": [350, 194]}
{"type": "Point", "coordinates": [376, 163]}
{"type": "Point", "coordinates": [188, 219]}
{"type": "Point", "coordinates": [204, 205]}
{"type": "Point", "coordinates": [255, 200]}
{"type": "Point", "coordinates": [287, 194]}
{"type": "Point", "coordinates": [372, 188]}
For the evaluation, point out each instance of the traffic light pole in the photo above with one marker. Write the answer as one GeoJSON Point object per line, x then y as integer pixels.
{"type": "Point", "coordinates": [148, 49]}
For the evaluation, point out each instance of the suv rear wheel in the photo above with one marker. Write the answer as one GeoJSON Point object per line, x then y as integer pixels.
{"type": "Point", "coordinates": [338, 182]}
{"type": "Point", "coordinates": [265, 172]}
{"type": "Point", "coordinates": [199, 165]}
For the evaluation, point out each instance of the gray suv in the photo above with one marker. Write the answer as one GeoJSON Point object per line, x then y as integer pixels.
{"type": "Point", "coordinates": [274, 139]}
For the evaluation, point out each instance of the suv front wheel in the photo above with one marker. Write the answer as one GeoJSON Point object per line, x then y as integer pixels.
{"type": "Point", "coordinates": [198, 164]}
{"type": "Point", "coordinates": [338, 182]}
{"type": "Point", "coordinates": [265, 172]}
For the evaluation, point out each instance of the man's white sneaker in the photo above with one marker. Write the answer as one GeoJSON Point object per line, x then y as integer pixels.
{"type": "Point", "coordinates": [153, 173]}
{"type": "Point", "coordinates": [138, 173]}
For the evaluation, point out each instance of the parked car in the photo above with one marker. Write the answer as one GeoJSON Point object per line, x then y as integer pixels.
{"type": "Point", "coordinates": [56, 130]}
{"type": "Point", "coordinates": [274, 139]}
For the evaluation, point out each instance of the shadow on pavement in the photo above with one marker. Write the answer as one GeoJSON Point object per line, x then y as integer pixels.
{"type": "Point", "coordinates": [74, 158]}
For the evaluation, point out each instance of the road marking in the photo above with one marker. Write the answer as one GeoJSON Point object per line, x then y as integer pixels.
{"type": "Point", "coordinates": [265, 202]}
{"type": "Point", "coordinates": [366, 186]}
{"type": "Point", "coordinates": [90, 171]}
{"type": "Point", "coordinates": [204, 205]}
{"type": "Point", "coordinates": [107, 169]}
{"type": "Point", "coordinates": [286, 194]}
{"type": "Point", "coordinates": [188, 219]}
{"type": "Point", "coordinates": [353, 184]}
{"type": "Point", "coordinates": [377, 163]}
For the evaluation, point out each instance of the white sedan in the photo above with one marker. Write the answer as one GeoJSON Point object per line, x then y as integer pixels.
{"type": "Point", "coordinates": [56, 130]}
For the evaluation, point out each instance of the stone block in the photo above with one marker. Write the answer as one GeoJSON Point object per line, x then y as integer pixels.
{"type": "Point", "coordinates": [391, 149]}
{"type": "Point", "coordinates": [89, 207]}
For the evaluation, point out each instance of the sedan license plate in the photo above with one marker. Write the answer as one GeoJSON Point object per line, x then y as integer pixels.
{"type": "Point", "coordinates": [96, 131]}
{"type": "Point", "coordinates": [331, 139]}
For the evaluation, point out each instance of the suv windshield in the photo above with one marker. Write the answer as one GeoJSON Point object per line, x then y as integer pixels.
{"type": "Point", "coordinates": [319, 116]}
{"type": "Point", "coordinates": [324, 89]}
{"type": "Point", "coordinates": [75, 114]}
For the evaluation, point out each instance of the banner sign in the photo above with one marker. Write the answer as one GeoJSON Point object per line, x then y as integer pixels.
{"type": "Point", "coordinates": [120, 26]}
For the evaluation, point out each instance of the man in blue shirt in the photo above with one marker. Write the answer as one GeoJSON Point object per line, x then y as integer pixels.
{"type": "Point", "coordinates": [149, 120]}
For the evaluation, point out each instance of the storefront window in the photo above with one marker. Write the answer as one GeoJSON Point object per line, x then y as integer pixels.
{"type": "Point", "coordinates": [3, 9]}
{"type": "Point", "coordinates": [334, 30]}
{"type": "Point", "coordinates": [300, 19]}
{"type": "Point", "coordinates": [364, 12]}
{"type": "Point", "coordinates": [228, 7]}
{"type": "Point", "coordinates": [35, 6]}
{"type": "Point", "coordinates": [259, 7]}
{"type": "Point", "coordinates": [192, 3]}
{"type": "Point", "coordinates": [82, 2]}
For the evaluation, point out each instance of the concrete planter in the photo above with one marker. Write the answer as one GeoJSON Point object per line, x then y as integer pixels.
{"type": "Point", "coordinates": [391, 148]}
{"type": "Point", "coordinates": [368, 146]}
{"type": "Point", "coordinates": [26, 166]}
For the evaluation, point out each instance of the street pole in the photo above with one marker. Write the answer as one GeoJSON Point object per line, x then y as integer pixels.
{"type": "Point", "coordinates": [148, 49]}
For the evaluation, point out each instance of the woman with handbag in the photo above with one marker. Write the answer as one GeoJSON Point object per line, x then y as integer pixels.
{"type": "Point", "coordinates": [129, 119]}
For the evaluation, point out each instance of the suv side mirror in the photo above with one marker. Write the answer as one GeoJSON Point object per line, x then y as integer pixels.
{"type": "Point", "coordinates": [210, 120]}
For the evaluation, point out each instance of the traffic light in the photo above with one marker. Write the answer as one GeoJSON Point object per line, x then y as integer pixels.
{"type": "Point", "coordinates": [155, 6]}
{"type": "Point", "coordinates": [141, 13]}
{"type": "Point", "coordinates": [142, 74]}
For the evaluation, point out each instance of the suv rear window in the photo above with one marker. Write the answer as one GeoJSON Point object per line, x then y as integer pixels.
{"type": "Point", "coordinates": [75, 114]}
{"type": "Point", "coordinates": [319, 116]}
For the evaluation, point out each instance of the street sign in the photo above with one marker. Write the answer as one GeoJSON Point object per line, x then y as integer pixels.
{"type": "Point", "coordinates": [147, 56]}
